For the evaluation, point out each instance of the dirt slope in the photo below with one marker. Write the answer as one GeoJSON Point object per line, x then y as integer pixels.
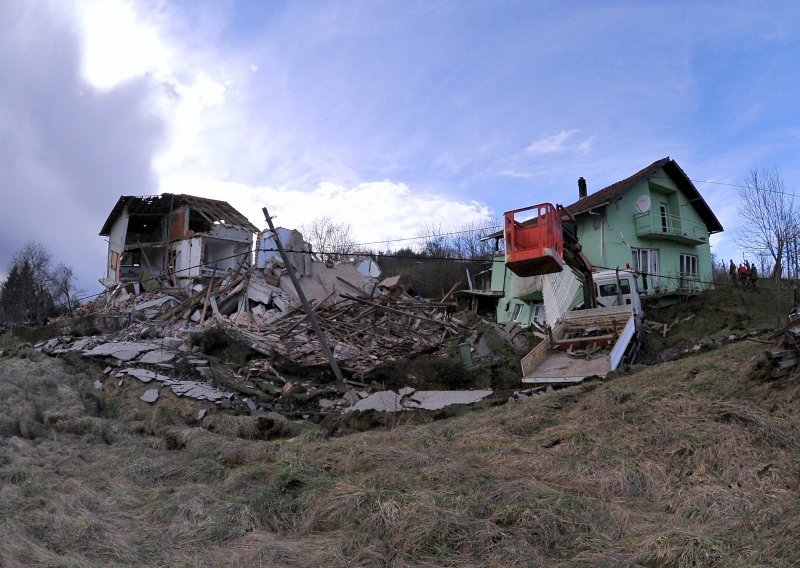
{"type": "Point", "coordinates": [690, 463]}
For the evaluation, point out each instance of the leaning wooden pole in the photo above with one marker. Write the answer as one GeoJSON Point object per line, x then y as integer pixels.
{"type": "Point", "coordinates": [306, 306]}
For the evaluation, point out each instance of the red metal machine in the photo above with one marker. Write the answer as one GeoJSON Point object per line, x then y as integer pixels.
{"type": "Point", "coordinates": [544, 242]}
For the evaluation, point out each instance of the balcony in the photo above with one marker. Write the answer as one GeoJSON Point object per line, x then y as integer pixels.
{"type": "Point", "coordinates": [658, 225]}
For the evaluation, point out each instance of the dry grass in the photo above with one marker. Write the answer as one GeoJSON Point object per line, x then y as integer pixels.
{"type": "Point", "coordinates": [692, 463]}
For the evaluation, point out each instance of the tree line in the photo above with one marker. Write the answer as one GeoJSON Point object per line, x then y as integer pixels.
{"type": "Point", "coordinates": [36, 288]}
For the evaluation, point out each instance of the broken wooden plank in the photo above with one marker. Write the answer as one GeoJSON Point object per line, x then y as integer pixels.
{"type": "Point", "coordinates": [588, 339]}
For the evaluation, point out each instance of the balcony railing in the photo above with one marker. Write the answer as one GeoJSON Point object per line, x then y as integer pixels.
{"type": "Point", "coordinates": [658, 225]}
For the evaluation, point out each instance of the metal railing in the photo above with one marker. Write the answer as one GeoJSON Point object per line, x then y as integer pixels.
{"type": "Point", "coordinates": [657, 223]}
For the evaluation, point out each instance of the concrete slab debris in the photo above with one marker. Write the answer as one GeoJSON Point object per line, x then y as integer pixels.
{"type": "Point", "coordinates": [156, 357]}
{"type": "Point", "coordinates": [150, 395]}
{"type": "Point", "coordinates": [382, 401]}
{"type": "Point", "coordinates": [154, 303]}
{"type": "Point", "coordinates": [406, 391]}
{"type": "Point", "coordinates": [97, 385]}
{"type": "Point", "coordinates": [122, 350]}
{"type": "Point", "coordinates": [390, 401]}
{"type": "Point", "coordinates": [143, 375]}
{"type": "Point", "coordinates": [434, 400]}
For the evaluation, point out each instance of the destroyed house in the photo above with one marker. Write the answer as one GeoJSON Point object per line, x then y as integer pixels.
{"type": "Point", "coordinates": [174, 238]}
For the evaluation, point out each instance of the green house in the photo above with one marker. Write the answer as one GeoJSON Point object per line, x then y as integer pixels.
{"type": "Point", "coordinates": [654, 221]}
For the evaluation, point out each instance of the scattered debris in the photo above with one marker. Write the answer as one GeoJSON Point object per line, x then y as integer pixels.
{"type": "Point", "coordinates": [409, 399]}
{"type": "Point", "coordinates": [150, 395]}
{"type": "Point", "coordinates": [785, 355]}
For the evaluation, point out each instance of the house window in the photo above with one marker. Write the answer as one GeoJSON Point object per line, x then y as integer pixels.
{"type": "Point", "coordinates": [688, 266]}
{"type": "Point", "coordinates": [517, 312]}
{"type": "Point", "coordinates": [645, 262]}
{"type": "Point", "coordinates": [664, 218]}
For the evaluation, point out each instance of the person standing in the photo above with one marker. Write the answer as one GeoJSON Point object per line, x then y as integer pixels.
{"type": "Point", "coordinates": [732, 274]}
{"type": "Point", "coordinates": [742, 275]}
{"type": "Point", "coordinates": [753, 276]}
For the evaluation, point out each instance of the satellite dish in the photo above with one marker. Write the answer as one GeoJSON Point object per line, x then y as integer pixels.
{"type": "Point", "coordinates": [643, 204]}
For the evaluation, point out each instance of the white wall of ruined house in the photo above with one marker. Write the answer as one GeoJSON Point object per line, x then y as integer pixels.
{"type": "Point", "coordinates": [116, 244]}
{"type": "Point", "coordinates": [223, 255]}
{"type": "Point", "coordinates": [188, 257]}
{"type": "Point", "coordinates": [230, 233]}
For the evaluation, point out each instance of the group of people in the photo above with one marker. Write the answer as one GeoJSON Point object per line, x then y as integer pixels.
{"type": "Point", "coordinates": [745, 275]}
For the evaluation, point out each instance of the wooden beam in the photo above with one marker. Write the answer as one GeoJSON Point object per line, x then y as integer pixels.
{"type": "Point", "coordinates": [581, 340]}
{"type": "Point", "coordinates": [306, 306]}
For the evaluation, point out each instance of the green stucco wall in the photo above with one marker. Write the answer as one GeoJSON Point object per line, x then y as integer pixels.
{"type": "Point", "coordinates": [524, 292]}
{"type": "Point", "coordinates": [609, 234]}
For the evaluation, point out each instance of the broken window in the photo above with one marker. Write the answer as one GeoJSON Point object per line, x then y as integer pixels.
{"type": "Point", "coordinates": [144, 229]}
{"type": "Point", "coordinates": [130, 264]}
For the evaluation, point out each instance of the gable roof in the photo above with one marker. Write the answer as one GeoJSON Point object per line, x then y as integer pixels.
{"type": "Point", "coordinates": [617, 190]}
{"type": "Point", "coordinates": [212, 210]}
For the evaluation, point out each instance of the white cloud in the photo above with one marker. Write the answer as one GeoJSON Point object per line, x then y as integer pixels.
{"type": "Point", "coordinates": [228, 142]}
{"type": "Point", "coordinates": [118, 44]}
{"type": "Point", "coordinates": [376, 210]}
{"type": "Point", "coordinates": [561, 142]}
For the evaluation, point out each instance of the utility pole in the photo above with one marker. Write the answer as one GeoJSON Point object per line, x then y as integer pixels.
{"type": "Point", "coordinates": [306, 306]}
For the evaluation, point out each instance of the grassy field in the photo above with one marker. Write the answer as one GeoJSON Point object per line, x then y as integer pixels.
{"type": "Point", "coordinates": [694, 462]}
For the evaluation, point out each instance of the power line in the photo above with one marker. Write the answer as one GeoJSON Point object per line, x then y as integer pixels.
{"type": "Point", "coordinates": [744, 186]}
{"type": "Point", "coordinates": [494, 228]}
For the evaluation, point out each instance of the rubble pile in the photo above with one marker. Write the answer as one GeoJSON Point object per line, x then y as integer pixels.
{"type": "Point", "coordinates": [366, 322]}
{"type": "Point", "coordinates": [362, 332]}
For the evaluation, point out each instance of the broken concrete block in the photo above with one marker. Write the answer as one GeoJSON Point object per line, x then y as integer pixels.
{"type": "Point", "coordinates": [201, 413]}
{"type": "Point", "coordinates": [172, 342]}
{"type": "Point", "coordinates": [156, 357]}
{"type": "Point", "coordinates": [107, 370]}
{"type": "Point", "coordinates": [97, 385]}
{"type": "Point", "coordinates": [146, 376]}
{"type": "Point", "coordinates": [150, 395]}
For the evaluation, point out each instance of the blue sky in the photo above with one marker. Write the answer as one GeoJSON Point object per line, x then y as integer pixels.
{"type": "Point", "coordinates": [387, 115]}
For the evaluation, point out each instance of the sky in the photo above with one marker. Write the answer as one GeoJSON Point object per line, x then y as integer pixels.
{"type": "Point", "coordinates": [388, 116]}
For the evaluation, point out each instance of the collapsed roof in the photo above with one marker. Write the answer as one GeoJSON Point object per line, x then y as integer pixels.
{"type": "Point", "coordinates": [212, 210]}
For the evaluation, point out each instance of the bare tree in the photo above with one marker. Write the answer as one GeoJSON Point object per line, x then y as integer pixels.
{"type": "Point", "coordinates": [62, 286]}
{"type": "Point", "coordinates": [329, 239]}
{"type": "Point", "coordinates": [769, 222]}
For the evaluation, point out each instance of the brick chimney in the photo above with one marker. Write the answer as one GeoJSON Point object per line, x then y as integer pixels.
{"type": "Point", "coordinates": [582, 188]}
